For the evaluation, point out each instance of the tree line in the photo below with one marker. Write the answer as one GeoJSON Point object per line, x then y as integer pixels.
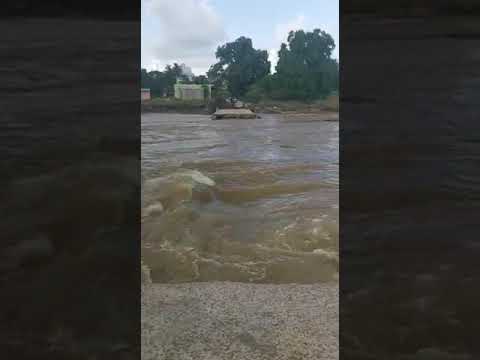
{"type": "Point", "coordinates": [305, 70]}
{"type": "Point", "coordinates": [161, 83]}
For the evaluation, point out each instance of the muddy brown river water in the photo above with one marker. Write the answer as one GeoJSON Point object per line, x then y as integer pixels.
{"type": "Point", "coordinates": [239, 200]}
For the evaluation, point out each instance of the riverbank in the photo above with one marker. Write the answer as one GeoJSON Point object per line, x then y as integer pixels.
{"type": "Point", "coordinates": [328, 105]}
{"type": "Point", "coordinates": [327, 109]}
{"type": "Point", "coordinates": [252, 201]}
{"type": "Point", "coordinates": [170, 105]}
{"type": "Point", "coordinates": [223, 320]}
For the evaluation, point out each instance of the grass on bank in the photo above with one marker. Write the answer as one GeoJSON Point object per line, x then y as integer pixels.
{"type": "Point", "coordinates": [330, 103]}
{"type": "Point", "coordinates": [172, 104]}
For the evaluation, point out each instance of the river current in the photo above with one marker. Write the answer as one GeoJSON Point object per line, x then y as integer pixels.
{"type": "Point", "coordinates": [239, 200]}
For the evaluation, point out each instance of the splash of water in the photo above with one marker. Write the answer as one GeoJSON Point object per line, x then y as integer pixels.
{"type": "Point", "coordinates": [186, 238]}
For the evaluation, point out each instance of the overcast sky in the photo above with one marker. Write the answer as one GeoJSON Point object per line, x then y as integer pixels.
{"type": "Point", "coordinates": [189, 31]}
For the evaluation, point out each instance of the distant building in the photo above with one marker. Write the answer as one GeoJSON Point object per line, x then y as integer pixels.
{"type": "Point", "coordinates": [187, 71]}
{"type": "Point", "coordinates": [145, 94]}
{"type": "Point", "coordinates": [193, 91]}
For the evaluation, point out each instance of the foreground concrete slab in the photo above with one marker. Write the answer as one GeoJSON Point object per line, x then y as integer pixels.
{"type": "Point", "coordinates": [221, 320]}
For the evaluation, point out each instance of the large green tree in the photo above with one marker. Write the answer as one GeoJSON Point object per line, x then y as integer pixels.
{"type": "Point", "coordinates": [239, 66]}
{"type": "Point", "coordinates": [305, 69]}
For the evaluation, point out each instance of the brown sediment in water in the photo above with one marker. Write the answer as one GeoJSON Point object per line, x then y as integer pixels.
{"type": "Point", "coordinates": [262, 209]}
{"type": "Point", "coordinates": [189, 243]}
{"type": "Point", "coordinates": [245, 194]}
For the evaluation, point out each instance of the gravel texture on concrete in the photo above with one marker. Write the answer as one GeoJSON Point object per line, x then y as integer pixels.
{"type": "Point", "coordinates": [223, 320]}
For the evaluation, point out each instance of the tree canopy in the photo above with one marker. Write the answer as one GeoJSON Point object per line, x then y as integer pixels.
{"type": "Point", "coordinates": [305, 68]}
{"type": "Point", "coordinates": [239, 66]}
{"type": "Point", "coordinates": [305, 71]}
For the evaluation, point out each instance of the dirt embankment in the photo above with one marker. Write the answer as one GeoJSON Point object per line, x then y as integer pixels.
{"type": "Point", "coordinates": [328, 108]}
{"type": "Point", "coordinates": [168, 105]}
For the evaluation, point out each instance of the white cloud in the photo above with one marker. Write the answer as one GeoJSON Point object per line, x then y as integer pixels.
{"type": "Point", "coordinates": [282, 30]}
{"type": "Point", "coordinates": [281, 35]}
{"type": "Point", "coordinates": [185, 31]}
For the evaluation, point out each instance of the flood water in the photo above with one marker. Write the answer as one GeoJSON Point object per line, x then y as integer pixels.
{"type": "Point", "coordinates": [239, 200]}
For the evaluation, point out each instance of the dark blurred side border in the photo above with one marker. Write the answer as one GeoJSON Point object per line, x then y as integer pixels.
{"type": "Point", "coordinates": [409, 179]}
{"type": "Point", "coordinates": [70, 195]}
